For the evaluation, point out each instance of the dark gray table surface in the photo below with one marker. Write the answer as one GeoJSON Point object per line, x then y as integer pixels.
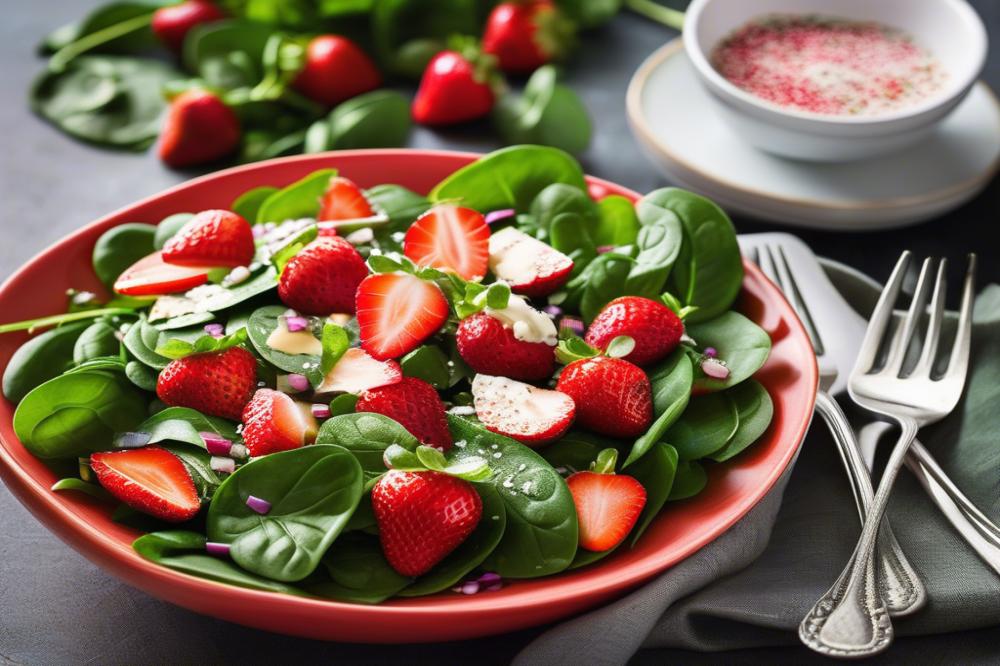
{"type": "Point", "coordinates": [56, 607]}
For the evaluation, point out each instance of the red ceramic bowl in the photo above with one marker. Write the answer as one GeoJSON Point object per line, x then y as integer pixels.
{"type": "Point", "coordinates": [734, 487]}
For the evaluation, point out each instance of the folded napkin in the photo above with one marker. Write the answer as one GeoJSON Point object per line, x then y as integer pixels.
{"type": "Point", "coordinates": [751, 587]}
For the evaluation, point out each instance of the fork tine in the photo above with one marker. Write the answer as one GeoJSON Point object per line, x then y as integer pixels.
{"type": "Point", "coordinates": [926, 363]}
{"type": "Point", "coordinates": [881, 316]}
{"type": "Point", "coordinates": [901, 343]}
{"type": "Point", "coordinates": [794, 296]}
{"type": "Point", "coordinates": [766, 262]}
{"type": "Point", "coordinates": [958, 364]}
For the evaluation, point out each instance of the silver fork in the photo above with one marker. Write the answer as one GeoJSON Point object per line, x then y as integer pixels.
{"type": "Point", "coordinates": [851, 619]}
{"type": "Point", "coordinates": [899, 584]}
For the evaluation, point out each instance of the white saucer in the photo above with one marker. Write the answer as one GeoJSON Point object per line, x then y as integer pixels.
{"type": "Point", "coordinates": [676, 123]}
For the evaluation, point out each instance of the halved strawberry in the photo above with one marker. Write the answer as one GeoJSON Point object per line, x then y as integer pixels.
{"type": "Point", "coordinates": [151, 480]}
{"type": "Point", "coordinates": [218, 238]}
{"type": "Point", "coordinates": [415, 405]}
{"type": "Point", "coordinates": [273, 422]}
{"type": "Point", "coordinates": [215, 383]}
{"type": "Point", "coordinates": [488, 342]}
{"type": "Point", "coordinates": [524, 412]}
{"type": "Point", "coordinates": [396, 312]}
{"type": "Point", "coordinates": [530, 266]}
{"type": "Point", "coordinates": [607, 506]}
{"type": "Point", "coordinates": [450, 238]}
{"type": "Point", "coordinates": [151, 276]}
{"type": "Point", "coordinates": [357, 371]}
{"type": "Point", "coordinates": [344, 205]}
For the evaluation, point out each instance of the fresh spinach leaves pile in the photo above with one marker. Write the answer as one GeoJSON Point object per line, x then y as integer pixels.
{"type": "Point", "coordinates": [87, 385]}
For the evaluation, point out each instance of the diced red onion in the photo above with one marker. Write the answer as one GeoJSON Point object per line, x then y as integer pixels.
{"type": "Point", "coordinates": [217, 549]}
{"type": "Point", "coordinates": [714, 369]}
{"type": "Point", "coordinates": [217, 445]}
{"type": "Point", "coordinates": [497, 215]}
{"type": "Point", "coordinates": [296, 323]}
{"type": "Point", "coordinates": [711, 352]}
{"type": "Point", "coordinates": [604, 249]}
{"type": "Point", "coordinates": [573, 324]}
{"type": "Point", "coordinates": [489, 578]}
{"type": "Point", "coordinates": [320, 411]}
{"type": "Point", "coordinates": [222, 464]}
{"type": "Point", "coordinates": [553, 310]}
{"type": "Point", "coordinates": [259, 505]}
{"type": "Point", "coordinates": [298, 382]}
{"type": "Point", "coordinates": [469, 587]}
{"type": "Point", "coordinates": [215, 330]}
{"type": "Point", "coordinates": [238, 451]}
{"type": "Point", "coordinates": [132, 440]}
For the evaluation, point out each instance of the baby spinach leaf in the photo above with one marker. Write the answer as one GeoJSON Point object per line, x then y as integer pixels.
{"type": "Point", "coordinates": [185, 552]}
{"type": "Point", "coordinates": [402, 206]}
{"type": "Point", "coordinates": [312, 490]}
{"type": "Point", "coordinates": [168, 228]}
{"type": "Point", "coordinates": [79, 485]}
{"type": "Point", "coordinates": [378, 119]}
{"type": "Point", "coordinates": [76, 414]}
{"type": "Point", "coordinates": [343, 404]}
{"type": "Point", "coordinates": [603, 281]}
{"type": "Point", "coordinates": [655, 471]}
{"type": "Point", "coordinates": [428, 363]}
{"type": "Point", "coordinates": [397, 24]}
{"type": "Point", "coordinates": [690, 480]}
{"type": "Point", "coordinates": [366, 435]}
{"type": "Point", "coordinates": [181, 424]}
{"type": "Point", "coordinates": [708, 423]}
{"type": "Point", "coordinates": [559, 198]}
{"type": "Point", "coordinates": [248, 204]}
{"type": "Point", "coordinates": [755, 409]}
{"type": "Point", "coordinates": [140, 375]}
{"type": "Point", "coordinates": [659, 243]}
{"type": "Point", "coordinates": [569, 234]}
{"type": "Point", "coordinates": [40, 359]}
{"type": "Point", "coordinates": [671, 384]}
{"type": "Point", "coordinates": [575, 451]}
{"type": "Point", "coordinates": [227, 54]}
{"type": "Point", "coordinates": [120, 247]}
{"type": "Point", "coordinates": [471, 552]}
{"type": "Point", "coordinates": [299, 200]}
{"type": "Point", "coordinates": [104, 17]}
{"type": "Point", "coordinates": [547, 113]}
{"type": "Point", "coordinates": [509, 178]}
{"type": "Point", "coordinates": [618, 223]}
{"type": "Point", "coordinates": [542, 530]}
{"type": "Point", "coordinates": [141, 340]}
{"type": "Point", "coordinates": [590, 13]}
{"type": "Point", "coordinates": [741, 344]}
{"type": "Point", "coordinates": [97, 340]}
{"type": "Point", "coordinates": [359, 572]}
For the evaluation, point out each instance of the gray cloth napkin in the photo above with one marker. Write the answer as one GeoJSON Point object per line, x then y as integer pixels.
{"type": "Point", "coordinates": [751, 587]}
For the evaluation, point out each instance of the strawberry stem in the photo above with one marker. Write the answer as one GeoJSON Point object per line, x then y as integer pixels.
{"type": "Point", "coordinates": [63, 56]}
{"type": "Point", "coordinates": [672, 18]}
{"type": "Point", "coordinates": [605, 462]}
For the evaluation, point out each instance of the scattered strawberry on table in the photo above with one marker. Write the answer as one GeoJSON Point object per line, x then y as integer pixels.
{"type": "Point", "coordinates": [367, 391]}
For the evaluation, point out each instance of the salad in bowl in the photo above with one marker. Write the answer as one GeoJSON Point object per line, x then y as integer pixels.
{"type": "Point", "coordinates": [357, 394]}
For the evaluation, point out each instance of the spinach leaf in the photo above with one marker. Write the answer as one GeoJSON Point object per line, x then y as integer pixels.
{"type": "Point", "coordinates": [559, 198]}
{"type": "Point", "coordinates": [509, 178]}
{"type": "Point", "coordinates": [359, 572]}
{"type": "Point", "coordinates": [264, 321]}
{"type": "Point", "coordinates": [79, 485]}
{"type": "Point", "coordinates": [141, 340]}
{"type": "Point", "coordinates": [181, 424]}
{"type": "Point", "coordinates": [97, 340]}
{"type": "Point", "coordinates": [402, 206]}
{"type": "Point", "coordinates": [709, 270]}
{"type": "Point", "coordinates": [185, 312]}
{"type": "Point", "coordinates": [248, 204]}
{"type": "Point", "coordinates": [569, 234]}
{"type": "Point", "coordinates": [471, 552]}
{"type": "Point", "coordinates": [107, 16]}
{"type": "Point", "coordinates": [689, 480]}
{"type": "Point", "coordinates": [401, 26]}
{"type": "Point", "coordinates": [659, 242]}
{"type": "Point", "coordinates": [547, 113]}
{"type": "Point", "coordinates": [40, 359]}
{"type": "Point", "coordinates": [141, 376]}
{"type": "Point", "coordinates": [618, 223]}
{"type": "Point", "coordinates": [113, 101]}
{"type": "Point", "coordinates": [708, 423]}
{"type": "Point", "coordinates": [299, 200]}
{"type": "Point", "coordinates": [76, 414]}
{"type": "Point", "coordinates": [542, 530]}
{"type": "Point", "coordinates": [755, 409]}
{"type": "Point", "coordinates": [312, 490]}
{"type": "Point", "coordinates": [655, 471]}
{"type": "Point", "coordinates": [590, 13]}
{"type": "Point", "coordinates": [185, 552]}
{"type": "Point", "coordinates": [366, 435]}
{"type": "Point", "coordinates": [575, 451]}
{"type": "Point", "coordinates": [430, 364]}
{"type": "Point", "coordinates": [120, 247]}
{"type": "Point", "coordinates": [603, 281]}
{"type": "Point", "coordinates": [741, 344]}
{"type": "Point", "coordinates": [168, 228]}
{"type": "Point", "coordinates": [378, 119]}
{"type": "Point", "coordinates": [227, 54]}
{"type": "Point", "coordinates": [671, 384]}
{"type": "Point", "coordinates": [343, 404]}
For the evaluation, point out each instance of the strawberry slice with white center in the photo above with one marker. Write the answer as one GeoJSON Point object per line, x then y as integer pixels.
{"type": "Point", "coordinates": [396, 312]}
{"type": "Point", "coordinates": [357, 372]}
{"type": "Point", "coordinates": [345, 207]}
{"type": "Point", "coordinates": [151, 480]}
{"type": "Point", "coordinates": [450, 238]}
{"type": "Point", "coordinates": [530, 266]}
{"type": "Point", "coordinates": [151, 276]}
{"type": "Point", "coordinates": [273, 422]}
{"type": "Point", "coordinates": [529, 414]}
{"type": "Point", "coordinates": [607, 506]}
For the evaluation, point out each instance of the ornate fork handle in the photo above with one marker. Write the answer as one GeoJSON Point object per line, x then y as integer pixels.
{"type": "Point", "coordinates": [899, 585]}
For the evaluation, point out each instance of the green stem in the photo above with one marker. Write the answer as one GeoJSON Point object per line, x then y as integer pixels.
{"type": "Point", "coordinates": [672, 18]}
{"type": "Point", "coordinates": [55, 320]}
{"type": "Point", "coordinates": [63, 56]}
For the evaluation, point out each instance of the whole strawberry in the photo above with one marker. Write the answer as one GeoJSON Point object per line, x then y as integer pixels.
{"type": "Point", "coordinates": [199, 128]}
{"type": "Point", "coordinates": [656, 329]}
{"type": "Point", "coordinates": [214, 383]}
{"type": "Point", "coordinates": [273, 422]}
{"type": "Point", "coordinates": [171, 24]}
{"type": "Point", "coordinates": [335, 69]}
{"type": "Point", "coordinates": [526, 35]}
{"type": "Point", "coordinates": [613, 397]}
{"type": "Point", "coordinates": [455, 88]}
{"type": "Point", "coordinates": [490, 348]}
{"type": "Point", "coordinates": [422, 517]}
{"type": "Point", "coordinates": [415, 405]}
{"type": "Point", "coordinates": [323, 278]}
{"type": "Point", "coordinates": [212, 238]}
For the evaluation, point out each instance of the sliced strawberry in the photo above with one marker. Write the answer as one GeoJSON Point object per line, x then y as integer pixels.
{"type": "Point", "coordinates": [530, 266]}
{"type": "Point", "coordinates": [450, 238]}
{"type": "Point", "coordinates": [151, 276]}
{"type": "Point", "coordinates": [215, 383]}
{"type": "Point", "coordinates": [273, 422]}
{"type": "Point", "coordinates": [151, 480]}
{"type": "Point", "coordinates": [396, 312]}
{"type": "Point", "coordinates": [415, 405]}
{"type": "Point", "coordinates": [607, 506]}
{"type": "Point", "coordinates": [323, 277]}
{"type": "Point", "coordinates": [344, 205]}
{"type": "Point", "coordinates": [489, 343]}
{"type": "Point", "coordinates": [357, 371]}
{"type": "Point", "coordinates": [524, 412]}
{"type": "Point", "coordinates": [212, 238]}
